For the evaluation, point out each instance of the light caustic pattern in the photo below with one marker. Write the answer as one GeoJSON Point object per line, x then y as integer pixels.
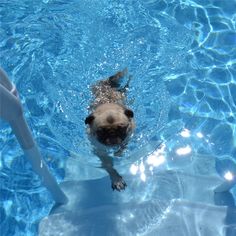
{"type": "Point", "coordinates": [181, 55]}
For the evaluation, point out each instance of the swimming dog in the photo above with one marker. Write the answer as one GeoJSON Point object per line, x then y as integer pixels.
{"type": "Point", "coordinates": [110, 123]}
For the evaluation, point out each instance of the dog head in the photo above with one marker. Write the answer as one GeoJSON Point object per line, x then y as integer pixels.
{"type": "Point", "coordinates": [111, 123]}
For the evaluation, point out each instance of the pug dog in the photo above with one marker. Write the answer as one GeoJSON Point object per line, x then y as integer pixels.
{"type": "Point", "coordinates": [110, 123]}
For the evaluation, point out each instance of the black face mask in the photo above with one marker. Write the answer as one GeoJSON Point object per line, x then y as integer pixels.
{"type": "Point", "coordinates": [105, 134]}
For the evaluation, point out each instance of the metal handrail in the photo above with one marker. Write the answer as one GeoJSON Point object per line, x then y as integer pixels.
{"type": "Point", "coordinates": [11, 111]}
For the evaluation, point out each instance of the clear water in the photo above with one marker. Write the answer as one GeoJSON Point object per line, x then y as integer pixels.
{"type": "Point", "coordinates": [182, 56]}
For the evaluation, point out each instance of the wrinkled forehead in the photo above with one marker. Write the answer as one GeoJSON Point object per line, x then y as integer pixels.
{"type": "Point", "coordinates": [111, 119]}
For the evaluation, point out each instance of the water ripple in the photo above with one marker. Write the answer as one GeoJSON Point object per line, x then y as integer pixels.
{"type": "Point", "coordinates": [182, 57]}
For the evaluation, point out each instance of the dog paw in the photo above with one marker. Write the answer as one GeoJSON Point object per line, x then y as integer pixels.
{"type": "Point", "coordinates": [118, 184]}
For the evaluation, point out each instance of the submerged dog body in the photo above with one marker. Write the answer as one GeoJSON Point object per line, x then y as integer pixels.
{"type": "Point", "coordinates": [110, 122]}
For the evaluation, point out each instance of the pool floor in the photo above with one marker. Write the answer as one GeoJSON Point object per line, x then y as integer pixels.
{"type": "Point", "coordinates": [182, 57]}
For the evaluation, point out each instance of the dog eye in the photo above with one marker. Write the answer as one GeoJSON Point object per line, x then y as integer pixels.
{"type": "Point", "coordinates": [122, 127]}
{"type": "Point", "coordinates": [101, 131]}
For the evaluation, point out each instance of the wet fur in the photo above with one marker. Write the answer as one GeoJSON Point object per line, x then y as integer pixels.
{"type": "Point", "coordinates": [110, 122]}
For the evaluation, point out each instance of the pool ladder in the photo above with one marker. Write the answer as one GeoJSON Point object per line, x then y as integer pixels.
{"type": "Point", "coordinates": [11, 111]}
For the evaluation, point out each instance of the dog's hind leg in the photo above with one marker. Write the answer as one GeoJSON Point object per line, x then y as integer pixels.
{"type": "Point", "coordinates": [124, 89]}
{"type": "Point", "coordinates": [114, 80]}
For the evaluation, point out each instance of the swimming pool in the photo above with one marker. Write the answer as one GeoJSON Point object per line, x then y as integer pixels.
{"type": "Point", "coordinates": [182, 56]}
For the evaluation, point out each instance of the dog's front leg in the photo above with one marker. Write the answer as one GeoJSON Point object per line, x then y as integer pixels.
{"type": "Point", "coordinates": [117, 182]}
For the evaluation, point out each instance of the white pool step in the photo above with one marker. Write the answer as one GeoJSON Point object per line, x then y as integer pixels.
{"type": "Point", "coordinates": [196, 219]}
{"type": "Point", "coordinates": [145, 208]}
{"type": "Point", "coordinates": [182, 218]}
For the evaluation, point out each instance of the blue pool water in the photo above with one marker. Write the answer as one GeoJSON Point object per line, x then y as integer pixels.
{"type": "Point", "coordinates": [182, 56]}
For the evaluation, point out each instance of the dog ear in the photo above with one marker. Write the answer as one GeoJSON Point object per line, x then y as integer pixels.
{"type": "Point", "coordinates": [129, 113]}
{"type": "Point", "coordinates": [89, 119]}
